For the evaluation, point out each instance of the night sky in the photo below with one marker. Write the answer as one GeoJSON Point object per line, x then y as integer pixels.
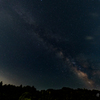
{"type": "Point", "coordinates": [50, 43]}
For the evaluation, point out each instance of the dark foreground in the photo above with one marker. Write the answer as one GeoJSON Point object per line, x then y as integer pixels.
{"type": "Point", "coordinates": [11, 92]}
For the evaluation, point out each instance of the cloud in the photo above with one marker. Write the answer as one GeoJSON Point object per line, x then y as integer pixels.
{"type": "Point", "coordinates": [94, 15]}
{"type": "Point", "coordinates": [89, 38]}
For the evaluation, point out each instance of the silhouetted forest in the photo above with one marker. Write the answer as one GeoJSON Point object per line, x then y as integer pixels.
{"type": "Point", "coordinates": [12, 92]}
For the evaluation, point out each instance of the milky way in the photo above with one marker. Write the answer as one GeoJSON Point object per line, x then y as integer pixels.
{"type": "Point", "coordinates": [78, 65]}
{"type": "Point", "coordinates": [72, 42]}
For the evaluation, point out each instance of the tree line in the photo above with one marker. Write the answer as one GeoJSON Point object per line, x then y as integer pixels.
{"type": "Point", "coordinates": [12, 92]}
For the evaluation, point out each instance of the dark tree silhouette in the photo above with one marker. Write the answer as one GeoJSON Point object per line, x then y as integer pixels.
{"type": "Point", "coordinates": [12, 92]}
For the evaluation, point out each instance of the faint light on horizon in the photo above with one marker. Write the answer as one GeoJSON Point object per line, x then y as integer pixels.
{"type": "Point", "coordinates": [5, 81]}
